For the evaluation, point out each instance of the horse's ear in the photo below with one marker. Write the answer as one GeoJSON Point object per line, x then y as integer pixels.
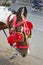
{"type": "Point", "coordinates": [19, 11]}
{"type": "Point", "coordinates": [25, 12]}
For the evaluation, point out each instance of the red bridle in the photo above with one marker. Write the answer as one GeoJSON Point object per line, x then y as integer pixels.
{"type": "Point", "coordinates": [16, 25]}
{"type": "Point", "coordinates": [21, 47]}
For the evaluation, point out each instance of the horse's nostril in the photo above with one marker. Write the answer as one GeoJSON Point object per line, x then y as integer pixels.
{"type": "Point", "coordinates": [24, 55]}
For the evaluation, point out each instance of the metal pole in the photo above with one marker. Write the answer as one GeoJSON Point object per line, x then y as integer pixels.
{"type": "Point", "coordinates": [5, 33]}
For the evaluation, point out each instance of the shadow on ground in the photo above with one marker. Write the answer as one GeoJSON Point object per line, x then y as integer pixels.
{"type": "Point", "coordinates": [4, 61]}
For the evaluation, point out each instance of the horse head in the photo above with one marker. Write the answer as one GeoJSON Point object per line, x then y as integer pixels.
{"type": "Point", "coordinates": [22, 46]}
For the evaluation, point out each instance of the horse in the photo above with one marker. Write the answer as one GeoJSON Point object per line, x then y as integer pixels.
{"type": "Point", "coordinates": [18, 34]}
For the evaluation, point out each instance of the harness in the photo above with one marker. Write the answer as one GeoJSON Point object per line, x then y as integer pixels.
{"type": "Point", "coordinates": [12, 37]}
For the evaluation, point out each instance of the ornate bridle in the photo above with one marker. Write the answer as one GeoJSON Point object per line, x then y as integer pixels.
{"type": "Point", "coordinates": [18, 33]}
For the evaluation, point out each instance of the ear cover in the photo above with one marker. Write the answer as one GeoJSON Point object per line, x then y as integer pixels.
{"type": "Point", "coordinates": [30, 25]}
{"type": "Point", "coordinates": [19, 37]}
{"type": "Point", "coordinates": [26, 29]}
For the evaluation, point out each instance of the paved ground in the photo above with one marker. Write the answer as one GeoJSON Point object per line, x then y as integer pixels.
{"type": "Point", "coordinates": [36, 43]}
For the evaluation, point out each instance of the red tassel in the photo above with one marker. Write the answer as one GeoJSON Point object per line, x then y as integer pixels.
{"type": "Point", "coordinates": [10, 40]}
{"type": "Point", "coordinates": [30, 25]}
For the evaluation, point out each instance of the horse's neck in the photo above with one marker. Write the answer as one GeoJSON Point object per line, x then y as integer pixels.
{"type": "Point", "coordinates": [4, 13]}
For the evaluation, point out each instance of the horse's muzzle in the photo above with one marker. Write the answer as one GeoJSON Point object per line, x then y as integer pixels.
{"type": "Point", "coordinates": [24, 55]}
